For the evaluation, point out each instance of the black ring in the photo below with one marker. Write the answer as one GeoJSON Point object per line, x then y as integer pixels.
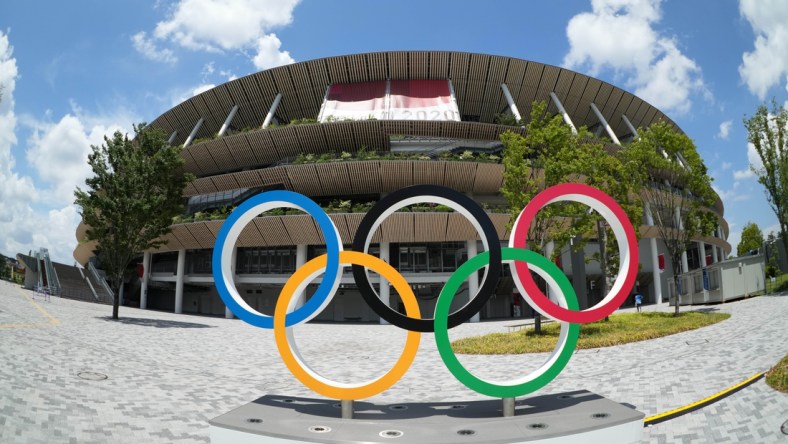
{"type": "Point", "coordinates": [486, 288]}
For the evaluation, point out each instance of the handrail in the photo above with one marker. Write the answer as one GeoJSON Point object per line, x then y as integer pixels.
{"type": "Point", "coordinates": [53, 282]}
{"type": "Point", "coordinates": [100, 280]}
{"type": "Point", "coordinates": [90, 284]}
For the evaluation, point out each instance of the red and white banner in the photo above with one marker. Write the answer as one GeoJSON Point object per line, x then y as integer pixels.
{"type": "Point", "coordinates": [390, 100]}
{"type": "Point", "coordinates": [354, 101]}
{"type": "Point", "coordinates": [422, 100]}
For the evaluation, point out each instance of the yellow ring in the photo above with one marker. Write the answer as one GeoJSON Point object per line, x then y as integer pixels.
{"type": "Point", "coordinates": [289, 352]}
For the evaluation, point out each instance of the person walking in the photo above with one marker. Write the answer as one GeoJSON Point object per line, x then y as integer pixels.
{"type": "Point", "coordinates": [638, 301]}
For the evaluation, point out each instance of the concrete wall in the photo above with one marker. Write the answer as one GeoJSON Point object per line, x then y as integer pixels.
{"type": "Point", "coordinates": [31, 279]}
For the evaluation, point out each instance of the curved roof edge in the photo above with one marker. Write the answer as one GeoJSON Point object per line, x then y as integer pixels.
{"type": "Point", "coordinates": [476, 79]}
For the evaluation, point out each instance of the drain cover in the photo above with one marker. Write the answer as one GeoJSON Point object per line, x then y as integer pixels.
{"type": "Point", "coordinates": [92, 376]}
{"type": "Point", "coordinates": [390, 434]}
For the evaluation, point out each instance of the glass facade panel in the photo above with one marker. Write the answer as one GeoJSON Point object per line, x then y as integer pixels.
{"type": "Point", "coordinates": [266, 260]}
{"type": "Point", "coordinates": [693, 261]}
{"type": "Point", "coordinates": [218, 200]}
{"type": "Point", "coordinates": [199, 261]}
{"type": "Point", "coordinates": [433, 257]}
{"type": "Point", "coordinates": [164, 262]}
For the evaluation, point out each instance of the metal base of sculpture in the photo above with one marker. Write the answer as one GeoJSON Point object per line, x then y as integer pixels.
{"type": "Point", "coordinates": [570, 417]}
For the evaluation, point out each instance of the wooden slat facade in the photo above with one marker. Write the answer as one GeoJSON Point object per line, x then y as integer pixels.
{"type": "Point", "coordinates": [254, 158]}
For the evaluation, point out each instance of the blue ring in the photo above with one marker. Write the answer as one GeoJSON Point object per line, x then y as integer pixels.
{"type": "Point", "coordinates": [333, 247]}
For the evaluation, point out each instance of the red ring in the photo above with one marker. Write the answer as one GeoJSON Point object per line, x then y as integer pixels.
{"type": "Point", "coordinates": [520, 235]}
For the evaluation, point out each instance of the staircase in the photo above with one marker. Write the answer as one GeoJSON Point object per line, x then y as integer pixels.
{"type": "Point", "coordinates": [74, 286]}
{"type": "Point", "coordinates": [100, 285]}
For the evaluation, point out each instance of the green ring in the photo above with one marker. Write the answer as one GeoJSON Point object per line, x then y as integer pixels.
{"type": "Point", "coordinates": [537, 379]}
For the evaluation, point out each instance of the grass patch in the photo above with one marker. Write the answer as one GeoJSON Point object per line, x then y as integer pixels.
{"type": "Point", "coordinates": [621, 329]}
{"type": "Point", "coordinates": [777, 377]}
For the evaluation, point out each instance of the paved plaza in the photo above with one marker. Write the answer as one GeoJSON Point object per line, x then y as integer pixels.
{"type": "Point", "coordinates": [167, 374]}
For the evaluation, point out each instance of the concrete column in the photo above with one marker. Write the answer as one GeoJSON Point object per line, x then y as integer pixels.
{"type": "Point", "coordinates": [702, 253]}
{"type": "Point", "coordinates": [602, 120]}
{"type": "Point", "coordinates": [145, 273]}
{"type": "Point", "coordinates": [680, 226]}
{"type": "Point", "coordinates": [179, 281]}
{"type": "Point", "coordinates": [677, 218]}
{"type": "Point", "coordinates": [385, 291]}
{"type": "Point", "coordinates": [473, 279]}
{"type": "Point", "coordinates": [193, 134]}
{"type": "Point", "coordinates": [228, 314]}
{"type": "Point", "coordinates": [548, 253]}
{"type": "Point", "coordinates": [120, 292]}
{"type": "Point", "coordinates": [228, 120]}
{"type": "Point", "coordinates": [300, 260]}
{"type": "Point", "coordinates": [510, 101]}
{"type": "Point", "coordinates": [172, 137]}
{"type": "Point", "coordinates": [272, 111]}
{"type": "Point", "coordinates": [714, 257]}
{"type": "Point", "coordinates": [563, 112]}
{"type": "Point", "coordinates": [630, 126]}
{"type": "Point", "coordinates": [655, 273]}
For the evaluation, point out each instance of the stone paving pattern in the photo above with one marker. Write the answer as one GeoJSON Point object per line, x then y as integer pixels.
{"type": "Point", "coordinates": [169, 374]}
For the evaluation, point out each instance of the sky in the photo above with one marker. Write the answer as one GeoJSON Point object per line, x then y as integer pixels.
{"type": "Point", "coordinates": [73, 72]}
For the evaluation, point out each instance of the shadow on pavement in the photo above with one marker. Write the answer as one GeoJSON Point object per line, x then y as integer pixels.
{"type": "Point", "coordinates": [706, 310]}
{"type": "Point", "coordinates": [158, 323]}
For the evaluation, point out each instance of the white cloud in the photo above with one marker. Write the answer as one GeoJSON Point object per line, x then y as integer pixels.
{"type": "Point", "coordinates": [725, 129]}
{"type": "Point", "coordinates": [754, 161]}
{"type": "Point", "coordinates": [225, 25]}
{"type": "Point", "coordinates": [147, 47]}
{"type": "Point", "coordinates": [23, 228]}
{"type": "Point", "coordinates": [732, 195]}
{"type": "Point", "coordinates": [743, 174]}
{"type": "Point", "coordinates": [653, 64]}
{"type": "Point", "coordinates": [39, 212]}
{"type": "Point", "coordinates": [178, 95]}
{"type": "Point", "coordinates": [268, 53]}
{"type": "Point", "coordinates": [767, 64]}
{"type": "Point", "coordinates": [58, 153]}
{"type": "Point", "coordinates": [734, 237]}
{"type": "Point", "coordinates": [774, 228]}
{"type": "Point", "coordinates": [202, 88]}
{"type": "Point", "coordinates": [726, 166]}
{"type": "Point", "coordinates": [228, 74]}
{"type": "Point", "coordinates": [16, 192]}
{"type": "Point", "coordinates": [66, 144]}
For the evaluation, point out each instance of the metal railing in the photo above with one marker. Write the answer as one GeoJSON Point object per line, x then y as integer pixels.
{"type": "Point", "coordinates": [53, 282]}
{"type": "Point", "coordinates": [701, 286]}
{"type": "Point", "coordinates": [90, 284]}
{"type": "Point", "coordinates": [100, 279]}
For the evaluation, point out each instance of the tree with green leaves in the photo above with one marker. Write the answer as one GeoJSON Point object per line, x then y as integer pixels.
{"type": "Point", "coordinates": [550, 154]}
{"type": "Point", "coordinates": [675, 187]}
{"type": "Point", "coordinates": [130, 201]}
{"type": "Point", "coordinates": [772, 257]}
{"type": "Point", "coordinates": [767, 131]}
{"type": "Point", "coordinates": [751, 239]}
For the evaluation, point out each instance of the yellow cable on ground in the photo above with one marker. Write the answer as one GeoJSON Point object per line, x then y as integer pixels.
{"type": "Point", "coordinates": [670, 414]}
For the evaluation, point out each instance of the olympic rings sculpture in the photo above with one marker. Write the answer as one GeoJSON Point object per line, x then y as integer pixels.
{"type": "Point", "coordinates": [521, 261]}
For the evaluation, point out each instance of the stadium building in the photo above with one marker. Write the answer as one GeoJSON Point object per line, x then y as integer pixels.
{"type": "Point", "coordinates": [346, 131]}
